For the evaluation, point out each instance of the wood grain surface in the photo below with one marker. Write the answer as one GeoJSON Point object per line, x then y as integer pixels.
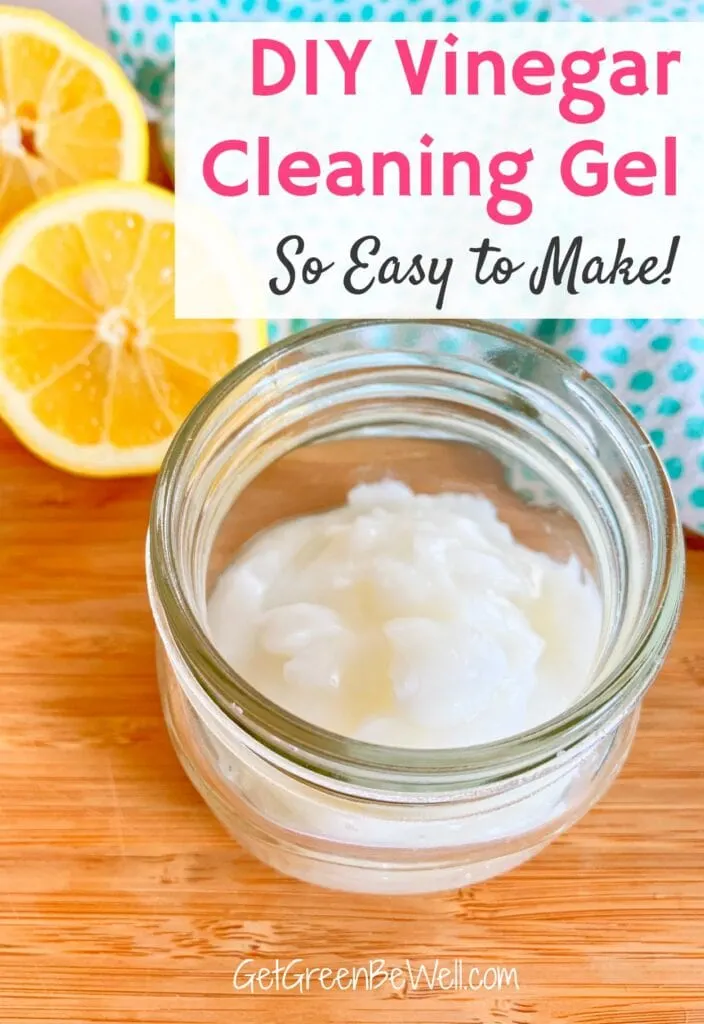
{"type": "Point", "coordinates": [122, 900]}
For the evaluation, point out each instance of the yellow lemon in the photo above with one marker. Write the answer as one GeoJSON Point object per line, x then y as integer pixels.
{"type": "Point", "coordinates": [96, 374]}
{"type": "Point", "coordinates": [67, 112]}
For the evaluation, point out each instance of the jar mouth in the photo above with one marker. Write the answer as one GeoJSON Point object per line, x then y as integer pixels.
{"type": "Point", "coordinates": [296, 741]}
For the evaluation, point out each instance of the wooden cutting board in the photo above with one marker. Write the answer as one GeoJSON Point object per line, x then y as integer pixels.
{"type": "Point", "coordinates": [123, 901]}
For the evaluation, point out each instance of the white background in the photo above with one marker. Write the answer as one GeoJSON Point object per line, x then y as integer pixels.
{"type": "Point", "coordinates": [84, 15]}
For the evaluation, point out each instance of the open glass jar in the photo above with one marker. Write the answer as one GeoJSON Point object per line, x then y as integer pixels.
{"type": "Point", "coordinates": [442, 406]}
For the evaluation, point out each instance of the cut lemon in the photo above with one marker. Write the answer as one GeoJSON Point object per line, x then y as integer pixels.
{"type": "Point", "coordinates": [67, 112]}
{"type": "Point", "coordinates": [96, 373]}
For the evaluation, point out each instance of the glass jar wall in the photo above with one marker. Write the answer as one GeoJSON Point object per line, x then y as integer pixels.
{"type": "Point", "coordinates": [441, 406]}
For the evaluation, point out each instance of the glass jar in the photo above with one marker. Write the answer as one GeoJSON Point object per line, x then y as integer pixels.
{"type": "Point", "coordinates": [442, 406]}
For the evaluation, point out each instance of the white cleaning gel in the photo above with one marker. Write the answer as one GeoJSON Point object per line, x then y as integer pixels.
{"type": "Point", "coordinates": [408, 620]}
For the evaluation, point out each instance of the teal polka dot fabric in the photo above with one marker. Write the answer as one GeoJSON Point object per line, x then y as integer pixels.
{"type": "Point", "coordinates": [656, 367]}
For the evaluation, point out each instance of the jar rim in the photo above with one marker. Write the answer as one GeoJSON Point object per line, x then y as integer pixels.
{"type": "Point", "coordinates": [316, 749]}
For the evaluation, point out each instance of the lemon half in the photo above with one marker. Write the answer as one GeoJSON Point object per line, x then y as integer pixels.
{"type": "Point", "coordinates": [96, 374]}
{"type": "Point", "coordinates": [68, 114]}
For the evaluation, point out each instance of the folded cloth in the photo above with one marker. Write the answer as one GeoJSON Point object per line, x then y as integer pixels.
{"type": "Point", "coordinates": [656, 367]}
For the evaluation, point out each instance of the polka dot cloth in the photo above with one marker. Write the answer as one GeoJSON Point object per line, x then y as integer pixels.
{"type": "Point", "coordinates": [655, 366]}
